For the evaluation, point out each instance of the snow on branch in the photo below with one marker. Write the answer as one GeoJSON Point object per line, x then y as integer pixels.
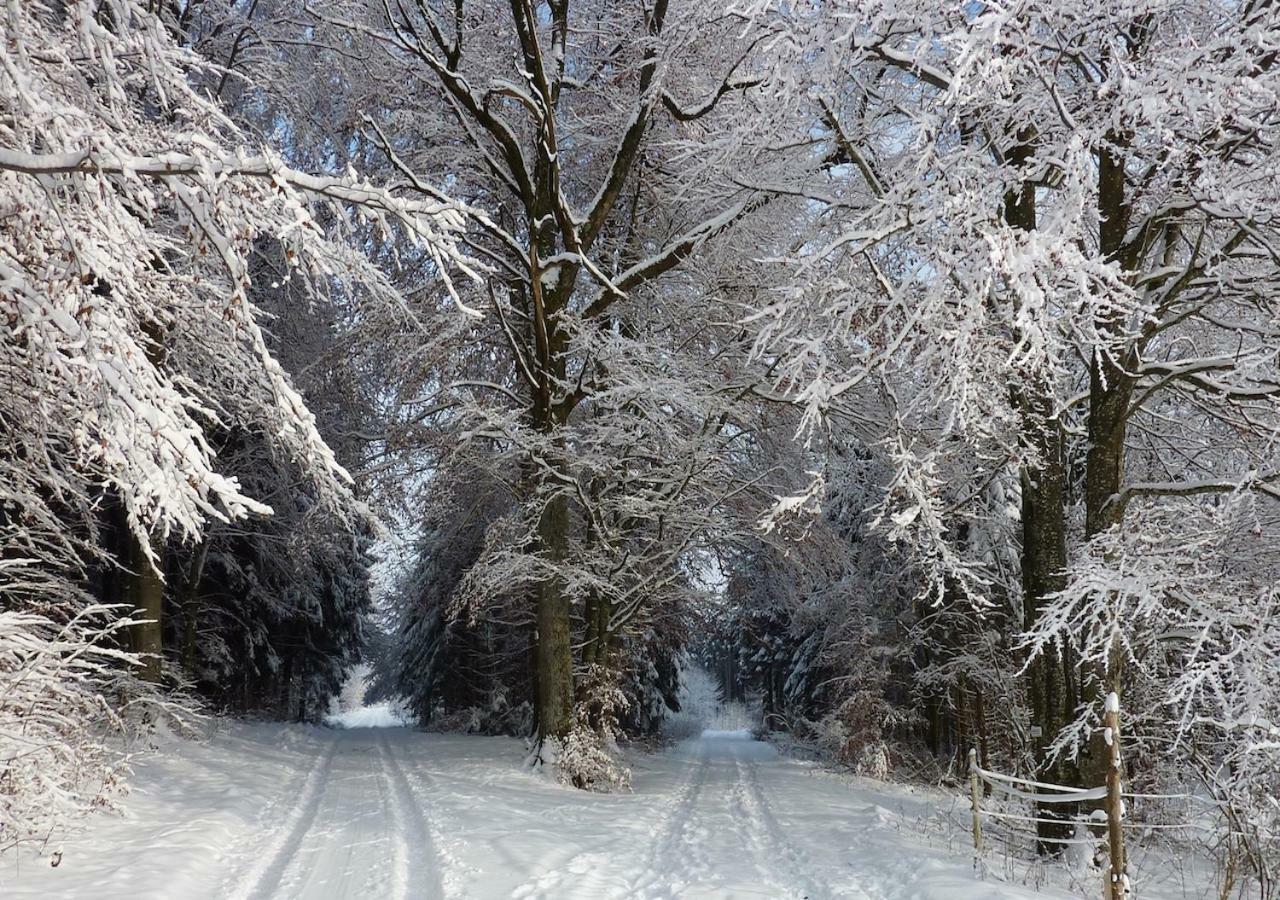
{"type": "Point", "coordinates": [134, 224]}
{"type": "Point", "coordinates": [114, 243]}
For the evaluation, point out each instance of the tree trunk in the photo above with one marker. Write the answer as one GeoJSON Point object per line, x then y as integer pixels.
{"type": "Point", "coordinates": [1044, 562]}
{"type": "Point", "coordinates": [145, 593]}
{"type": "Point", "coordinates": [980, 725]}
{"type": "Point", "coordinates": [964, 736]}
{"type": "Point", "coordinates": [604, 612]}
{"type": "Point", "coordinates": [191, 607]}
{"type": "Point", "coordinates": [1110, 393]}
{"type": "Point", "coordinates": [145, 585]}
{"type": "Point", "coordinates": [1044, 547]}
{"type": "Point", "coordinates": [554, 653]}
{"type": "Point", "coordinates": [599, 609]}
{"type": "Point", "coordinates": [934, 715]}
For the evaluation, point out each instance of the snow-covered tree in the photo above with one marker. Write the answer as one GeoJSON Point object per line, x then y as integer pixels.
{"type": "Point", "coordinates": [1049, 229]}
{"type": "Point", "coordinates": [602, 379]}
{"type": "Point", "coordinates": [131, 208]}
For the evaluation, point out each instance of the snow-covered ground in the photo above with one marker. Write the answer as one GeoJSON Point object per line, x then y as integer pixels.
{"type": "Point", "coordinates": [264, 811]}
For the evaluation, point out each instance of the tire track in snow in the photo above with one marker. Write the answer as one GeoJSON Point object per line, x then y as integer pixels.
{"type": "Point", "coordinates": [740, 811]}
{"type": "Point", "coordinates": [673, 831]}
{"type": "Point", "coordinates": [763, 836]}
{"type": "Point", "coordinates": [262, 878]}
{"type": "Point", "coordinates": [413, 833]}
{"type": "Point", "coordinates": [777, 844]}
{"type": "Point", "coordinates": [447, 865]}
{"type": "Point", "coordinates": [239, 848]}
{"type": "Point", "coordinates": [755, 841]}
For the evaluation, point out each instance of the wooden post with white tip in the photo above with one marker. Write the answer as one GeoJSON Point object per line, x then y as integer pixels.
{"type": "Point", "coordinates": [1116, 879]}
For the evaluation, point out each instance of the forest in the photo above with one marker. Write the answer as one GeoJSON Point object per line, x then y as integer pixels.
{"type": "Point", "coordinates": [912, 367]}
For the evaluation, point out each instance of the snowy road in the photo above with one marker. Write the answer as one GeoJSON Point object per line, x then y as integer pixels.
{"type": "Point", "coordinates": [354, 829]}
{"type": "Point", "coordinates": [297, 812]}
{"type": "Point", "coordinates": [720, 815]}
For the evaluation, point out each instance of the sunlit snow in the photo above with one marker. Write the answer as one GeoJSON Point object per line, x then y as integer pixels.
{"type": "Point", "coordinates": [292, 811]}
{"type": "Point", "coordinates": [380, 715]}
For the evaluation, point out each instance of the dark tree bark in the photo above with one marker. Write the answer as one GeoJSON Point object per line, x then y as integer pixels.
{"type": "Point", "coordinates": [554, 653]}
{"type": "Point", "coordinates": [1111, 383]}
{"type": "Point", "coordinates": [145, 593]}
{"type": "Point", "coordinates": [1044, 560]}
{"type": "Point", "coordinates": [1044, 544]}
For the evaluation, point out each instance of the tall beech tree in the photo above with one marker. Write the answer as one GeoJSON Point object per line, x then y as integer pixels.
{"type": "Point", "coordinates": [571, 125]}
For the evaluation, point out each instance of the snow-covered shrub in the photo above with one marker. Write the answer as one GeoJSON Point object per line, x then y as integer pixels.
{"type": "Point", "coordinates": [848, 743]}
{"type": "Point", "coordinates": [60, 754]}
{"type": "Point", "coordinates": [65, 686]}
{"type": "Point", "coordinates": [873, 761]}
{"type": "Point", "coordinates": [588, 756]}
{"type": "Point", "coordinates": [584, 760]}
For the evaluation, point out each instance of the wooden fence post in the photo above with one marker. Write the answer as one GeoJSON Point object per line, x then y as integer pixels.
{"type": "Point", "coordinates": [1116, 886]}
{"type": "Point", "coordinates": [975, 791]}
